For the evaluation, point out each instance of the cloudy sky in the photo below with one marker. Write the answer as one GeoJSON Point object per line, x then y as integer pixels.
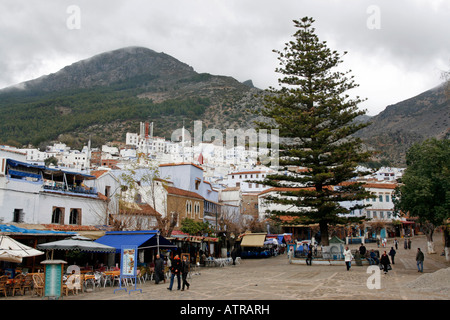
{"type": "Point", "coordinates": [396, 49]}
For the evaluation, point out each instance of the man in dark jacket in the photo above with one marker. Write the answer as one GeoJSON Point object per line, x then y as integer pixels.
{"type": "Point", "coordinates": [175, 270]}
{"type": "Point", "coordinates": [362, 250]}
{"type": "Point", "coordinates": [392, 254]}
{"type": "Point", "coordinates": [184, 272]}
{"type": "Point", "coordinates": [385, 262]}
{"type": "Point", "coordinates": [159, 269]}
{"type": "Point", "coordinates": [419, 259]}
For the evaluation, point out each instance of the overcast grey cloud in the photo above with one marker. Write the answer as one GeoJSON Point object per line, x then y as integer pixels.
{"type": "Point", "coordinates": [402, 57]}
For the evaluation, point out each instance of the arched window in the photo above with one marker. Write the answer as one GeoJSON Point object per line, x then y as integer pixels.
{"type": "Point", "coordinates": [57, 215]}
{"type": "Point", "coordinates": [197, 209]}
{"type": "Point", "coordinates": [188, 208]}
{"type": "Point", "coordinates": [75, 216]}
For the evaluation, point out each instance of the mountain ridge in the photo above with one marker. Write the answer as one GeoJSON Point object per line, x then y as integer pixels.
{"type": "Point", "coordinates": [108, 94]}
{"type": "Point", "coordinates": [395, 129]}
{"type": "Point", "coordinates": [107, 68]}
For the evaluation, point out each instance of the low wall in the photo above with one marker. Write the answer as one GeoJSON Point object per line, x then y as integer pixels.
{"type": "Point", "coordinates": [327, 262]}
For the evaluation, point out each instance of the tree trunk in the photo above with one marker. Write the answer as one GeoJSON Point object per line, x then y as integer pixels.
{"type": "Point", "coordinates": [428, 229]}
{"type": "Point", "coordinates": [324, 233]}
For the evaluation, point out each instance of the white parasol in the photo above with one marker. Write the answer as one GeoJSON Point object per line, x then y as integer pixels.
{"type": "Point", "coordinates": [13, 251]}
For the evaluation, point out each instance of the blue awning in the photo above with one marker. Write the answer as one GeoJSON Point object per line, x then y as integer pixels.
{"type": "Point", "coordinates": [15, 163]}
{"type": "Point", "coordinates": [24, 174]}
{"type": "Point", "coordinates": [6, 228]}
{"type": "Point", "coordinates": [117, 239]}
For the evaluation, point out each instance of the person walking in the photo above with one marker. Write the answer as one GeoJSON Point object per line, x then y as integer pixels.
{"type": "Point", "coordinates": [184, 272]}
{"type": "Point", "coordinates": [409, 243]}
{"type": "Point", "coordinates": [309, 256]}
{"type": "Point", "coordinates": [384, 260]}
{"type": "Point", "coordinates": [406, 244]}
{"type": "Point", "coordinates": [290, 254]}
{"type": "Point", "coordinates": [233, 256]}
{"type": "Point", "coordinates": [392, 254]}
{"type": "Point", "coordinates": [419, 259]}
{"type": "Point", "coordinates": [396, 243]}
{"type": "Point", "coordinates": [348, 258]}
{"type": "Point", "coordinates": [175, 270]}
{"type": "Point", "coordinates": [159, 269]}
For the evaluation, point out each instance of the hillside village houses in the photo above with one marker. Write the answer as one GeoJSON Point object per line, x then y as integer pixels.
{"type": "Point", "coordinates": [203, 182]}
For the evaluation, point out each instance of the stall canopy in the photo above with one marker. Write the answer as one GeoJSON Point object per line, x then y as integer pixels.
{"type": "Point", "coordinates": [141, 239]}
{"type": "Point", "coordinates": [13, 251]}
{"type": "Point", "coordinates": [77, 243]}
{"type": "Point", "coordinates": [253, 240]}
{"type": "Point", "coordinates": [271, 241]}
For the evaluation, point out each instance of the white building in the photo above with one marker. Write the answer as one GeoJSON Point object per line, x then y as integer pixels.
{"type": "Point", "coordinates": [35, 194]}
{"type": "Point", "coordinates": [381, 207]}
{"type": "Point", "coordinates": [242, 179]}
{"type": "Point", "coordinates": [74, 159]}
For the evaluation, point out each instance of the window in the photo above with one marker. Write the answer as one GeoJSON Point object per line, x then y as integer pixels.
{"type": "Point", "coordinates": [75, 216]}
{"type": "Point", "coordinates": [107, 191]}
{"type": "Point", "coordinates": [18, 215]}
{"type": "Point", "coordinates": [197, 184]}
{"type": "Point", "coordinates": [188, 207]}
{"type": "Point", "coordinates": [58, 215]}
{"type": "Point", "coordinates": [387, 198]}
{"type": "Point", "coordinates": [197, 209]}
{"type": "Point", "coordinates": [380, 198]}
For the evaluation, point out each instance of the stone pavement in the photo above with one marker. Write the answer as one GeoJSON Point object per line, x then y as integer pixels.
{"type": "Point", "coordinates": [275, 279]}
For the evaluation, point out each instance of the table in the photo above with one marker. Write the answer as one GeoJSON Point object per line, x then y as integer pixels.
{"type": "Point", "coordinates": [110, 275]}
{"type": "Point", "coordinates": [88, 278]}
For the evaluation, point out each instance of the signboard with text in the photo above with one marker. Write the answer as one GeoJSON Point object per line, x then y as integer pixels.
{"type": "Point", "coordinates": [128, 266]}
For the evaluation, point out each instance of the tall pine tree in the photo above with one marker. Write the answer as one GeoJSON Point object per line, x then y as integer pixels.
{"type": "Point", "coordinates": [312, 108]}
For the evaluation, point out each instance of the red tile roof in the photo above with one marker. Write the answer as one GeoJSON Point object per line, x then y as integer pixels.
{"type": "Point", "coordinates": [183, 193]}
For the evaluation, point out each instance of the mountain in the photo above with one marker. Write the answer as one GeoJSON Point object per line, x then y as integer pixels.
{"type": "Point", "coordinates": [107, 95]}
{"type": "Point", "coordinates": [113, 67]}
{"type": "Point", "coordinates": [393, 131]}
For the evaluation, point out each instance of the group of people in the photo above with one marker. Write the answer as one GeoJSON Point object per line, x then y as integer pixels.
{"type": "Point", "coordinates": [177, 267]}
{"type": "Point", "coordinates": [384, 261]}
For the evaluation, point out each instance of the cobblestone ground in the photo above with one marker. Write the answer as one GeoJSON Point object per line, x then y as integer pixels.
{"type": "Point", "coordinates": [275, 279]}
